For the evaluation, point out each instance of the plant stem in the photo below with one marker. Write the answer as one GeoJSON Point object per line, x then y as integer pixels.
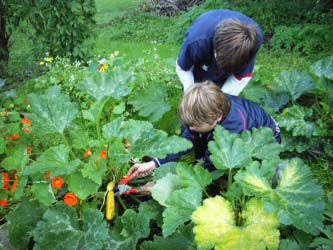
{"type": "Point", "coordinates": [122, 203]}
{"type": "Point", "coordinates": [68, 146]}
{"type": "Point", "coordinates": [229, 178]}
{"type": "Point", "coordinates": [98, 118]}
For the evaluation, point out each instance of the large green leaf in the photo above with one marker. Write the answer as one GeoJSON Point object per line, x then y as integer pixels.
{"type": "Point", "coordinates": [55, 160]}
{"type": "Point", "coordinates": [323, 68]}
{"type": "Point", "coordinates": [228, 150]}
{"type": "Point", "coordinates": [110, 83]}
{"type": "Point", "coordinates": [294, 82]}
{"type": "Point", "coordinates": [182, 239]}
{"type": "Point", "coordinates": [180, 206]}
{"type": "Point", "coordinates": [195, 176]}
{"type": "Point", "coordinates": [81, 186]}
{"type": "Point", "coordinates": [294, 119]}
{"type": "Point", "coordinates": [144, 139]}
{"type": "Point", "coordinates": [150, 103]}
{"type": "Point", "coordinates": [276, 100]}
{"type": "Point", "coordinates": [51, 112]}
{"type": "Point", "coordinates": [261, 143]}
{"type": "Point", "coordinates": [297, 197]}
{"type": "Point", "coordinates": [125, 234]}
{"type": "Point", "coordinates": [164, 187]}
{"type": "Point", "coordinates": [59, 228]}
{"type": "Point", "coordinates": [21, 222]}
{"type": "Point", "coordinates": [215, 226]}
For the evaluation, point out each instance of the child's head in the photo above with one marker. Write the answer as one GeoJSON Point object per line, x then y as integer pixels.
{"type": "Point", "coordinates": [235, 44]}
{"type": "Point", "coordinates": [202, 106]}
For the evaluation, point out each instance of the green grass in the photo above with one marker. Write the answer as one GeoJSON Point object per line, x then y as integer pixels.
{"type": "Point", "coordinates": [108, 9]}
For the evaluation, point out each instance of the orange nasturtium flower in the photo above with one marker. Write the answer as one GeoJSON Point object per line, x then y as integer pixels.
{"type": "Point", "coordinates": [5, 180]}
{"type": "Point", "coordinates": [70, 199]}
{"type": "Point", "coordinates": [102, 154]}
{"type": "Point", "coordinates": [87, 153]}
{"type": "Point", "coordinates": [14, 186]}
{"type": "Point", "coordinates": [26, 130]}
{"type": "Point", "coordinates": [47, 175]}
{"type": "Point", "coordinates": [14, 137]}
{"type": "Point", "coordinates": [127, 144]}
{"type": "Point", "coordinates": [26, 120]}
{"type": "Point", "coordinates": [57, 182]}
{"type": "Point", "coordinates": [3, 202]}
{"type": "Point", "coordinates": [29, 150]}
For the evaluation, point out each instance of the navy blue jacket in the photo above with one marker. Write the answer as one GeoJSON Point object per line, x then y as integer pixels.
{"type": "Point", "coordinates": [243, 115]}
{"type": "Point", "coordinates": [197, 48]}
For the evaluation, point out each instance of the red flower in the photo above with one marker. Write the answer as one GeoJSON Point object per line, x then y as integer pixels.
{"type": "Point", "coordinates": [57, 182]}
{"type": "Point", "coordinates": [70, 199]}
{"type": "Point", "coordinates": [47, 175]}
{"type": "Point", "coordinates": [3, 202]}
{"type": "Point", "coordinates": [5, 180]}
{"type": "Point", "coordinates": [14, 186]}
{"type": "Point", "coordinates": [102, 154]}
{"type": "Point", "coordinates": [29, 150]}
{"type": "Point", "coordinates": [14, 137]}
{"type": "Point", "coordinates": [25, 120]}
{"type": "Point", "coordinates": [87, 153]}
{"type": "Point", "coordinates": [127, 144]}
{"type": "Point", "coordinates": [26, 130]}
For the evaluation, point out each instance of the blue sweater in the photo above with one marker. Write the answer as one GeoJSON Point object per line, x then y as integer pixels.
{"type": "Point", "coordinates": [243, 115]}
{"type": "Point", "coordinates": [197, 48]}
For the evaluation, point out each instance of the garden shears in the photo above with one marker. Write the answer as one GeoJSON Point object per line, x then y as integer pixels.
{"type": "Point", "coordinates": [123, 188]}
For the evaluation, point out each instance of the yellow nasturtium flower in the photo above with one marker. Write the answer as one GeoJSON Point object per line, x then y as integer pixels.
{"type": "Point", "coordinates": [49, 59]}
{"type": "Point", "coordinates": [41, 63]}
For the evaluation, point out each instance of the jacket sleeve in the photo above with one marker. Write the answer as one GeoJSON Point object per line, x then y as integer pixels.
{"type": "Point", "coordinates": [174, 157]}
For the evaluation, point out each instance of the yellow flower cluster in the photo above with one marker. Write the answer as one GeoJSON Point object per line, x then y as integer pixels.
{"type": "Point", "coordinates": [103, 67]}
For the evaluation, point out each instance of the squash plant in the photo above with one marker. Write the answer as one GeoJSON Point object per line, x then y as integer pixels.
{"type": "Point", "coordinates": [63, 159]}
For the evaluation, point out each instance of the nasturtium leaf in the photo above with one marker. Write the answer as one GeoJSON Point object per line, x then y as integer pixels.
{"type": "Point", "coordinates": [228, 150]}
{"type": "Point", "coordinates": [43, 193]}
{"type": "Point", "coordinates": [119, 108]}
{"type": "Point", "coordinates": [114, 83]}
{"type": "Point", "coordinates": [150, 103]}
{"type": "Point", "coordinates": [276, 100]}
{"type": "Point", "coordinates": [215, 226]}
{"type": "Point", "coordinates": [118, 154]}
{"type": "Point", "coordinates": [94, 170]}
{"type": "Point", "coordinates": [323, 68]}
{"type": "Point", "coordinates": [81, 186]}
{"type": "Point", "coordinates": [296, 198]}
{"type": "Point", "coordinates": [144, 139]}
{"type": "Point", "coordinates": [255, 93]}
{"type": "Point", "coordinates": [55, 160]}
{"type": "Point", "coordinates": [294, 82]}
{"type": "Point", "coordinates": [21, 223]}
{"type": "Point", "coordinates": [59, 228]}
{"type": "Point", "coordinates": [261, 143]}
{"type": "Point", "coordinates": [195, 176]}
{"type": "Point", "coordinates": [17, 159]}
{"type": "Point", "coordinates": [180, 206]}
{"type": "Point", "coordinates": [164, 187]}
{"type": "Point", "coordinates": [22, 182]}
{"type": "Point", "coordinates": [294, 119]}
{"type": "Point", "coordinates": [51, 112]}
{"type": "Point", "coordinates": [182, 239]}
{"type": "Point", "coordinates": [91, 114]}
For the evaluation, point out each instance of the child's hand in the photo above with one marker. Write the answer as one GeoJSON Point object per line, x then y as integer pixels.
{"type": "Point", "coordinates": [142, 169]}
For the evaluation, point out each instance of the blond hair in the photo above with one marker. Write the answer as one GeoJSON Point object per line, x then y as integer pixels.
{"type": "Point", "coordinates": [203, 103]}
{"type": "Point", "coordinates": [235, 44]}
